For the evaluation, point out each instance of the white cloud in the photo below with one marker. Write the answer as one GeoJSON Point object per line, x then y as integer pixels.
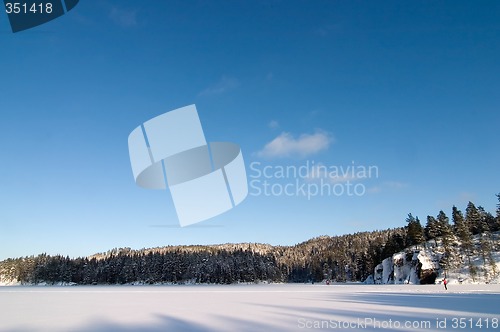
{"type": "Point", "coordinates": [285, 145]}
{"type": "Point", "coordinates": [223, 85]}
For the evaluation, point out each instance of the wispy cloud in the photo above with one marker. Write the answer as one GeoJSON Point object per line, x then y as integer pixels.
{"type": "Point", "coordinates": [125, 18]}
{"type": "Point", "coordinates": [223, 85]}
{"type": "Point", "coordinates": [395, 185]}
{"type": "Point", "coordinates": [273, 124]}
{"type": "Point", "coordinates": [374, 190]}
{"type": "Point", "coordinates": [285, 145]}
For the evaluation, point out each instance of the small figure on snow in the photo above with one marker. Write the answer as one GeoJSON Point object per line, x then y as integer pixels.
{"type": "Point", "coordinates": [445, 282]}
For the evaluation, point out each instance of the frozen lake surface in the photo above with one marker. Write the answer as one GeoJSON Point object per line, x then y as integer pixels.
{"type": "Point", "coordinates": [289, 307]}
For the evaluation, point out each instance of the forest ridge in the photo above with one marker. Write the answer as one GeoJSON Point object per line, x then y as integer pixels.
{"type": "Point", "coordinates": [351, 257]}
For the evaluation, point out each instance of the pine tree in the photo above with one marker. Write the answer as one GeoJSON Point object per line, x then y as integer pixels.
{"type": "Point", "coordinates": [472, 221]}
{"type": "Point", "coordinates": [444, 229]}
{"type": "Point", "coordinates": [461, 229]}
{"type": "Point", "coordinates": [431, 229]}
{"type": "Point", "coordinates": [472, 218]}
{"type": "Point", "coordinates": [415, 232]}
{"type": "Point", "coordinates": [446, 234]}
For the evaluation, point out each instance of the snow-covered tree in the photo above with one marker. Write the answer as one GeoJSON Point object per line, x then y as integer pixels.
{"type": "Point", "coordinates": [462, 230]}
{"type": "Point", "coordinates": [464, 234]}
{"type": "Point", "coordinates": [446, 233]}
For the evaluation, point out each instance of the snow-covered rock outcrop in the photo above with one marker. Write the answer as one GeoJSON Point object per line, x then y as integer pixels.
{"type": "Point", "coordinates": [421, 264]}
{"type": "Point", "coordinates": [406, 267]}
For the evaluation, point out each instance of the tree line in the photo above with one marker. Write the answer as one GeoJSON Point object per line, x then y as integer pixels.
{"type": "Point", "coordinates": [351, 257]}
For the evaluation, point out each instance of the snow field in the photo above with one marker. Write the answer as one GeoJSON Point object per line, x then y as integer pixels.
{"type": "Point", "coordinates": [276, 307]}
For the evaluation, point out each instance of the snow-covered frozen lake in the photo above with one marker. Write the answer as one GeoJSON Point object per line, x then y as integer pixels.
{"type": "Point", "coordinates": [288, 307]}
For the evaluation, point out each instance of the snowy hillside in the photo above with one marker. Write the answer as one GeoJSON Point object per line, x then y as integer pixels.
{"type": "Point", "coordinates": [466, 250]}
{"type": "Point", "coordinates": [421, 264]}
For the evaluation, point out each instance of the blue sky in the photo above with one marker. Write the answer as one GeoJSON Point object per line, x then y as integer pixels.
{"type": "Point", "coordinates": [410, 87]}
